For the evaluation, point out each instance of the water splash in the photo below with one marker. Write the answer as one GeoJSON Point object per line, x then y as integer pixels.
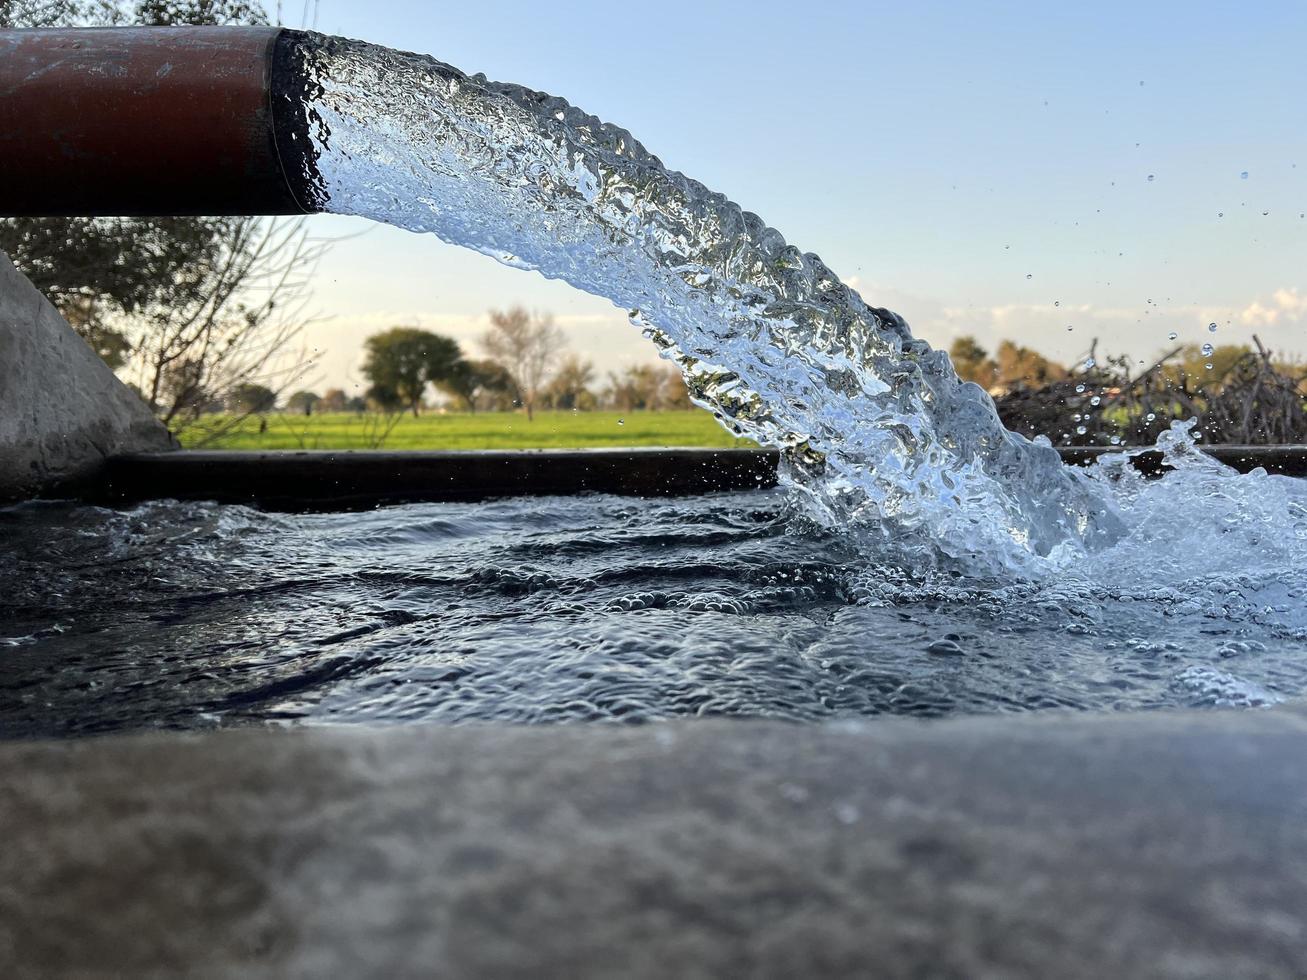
{"type": "Point", "coordinates": [1205, 548]}
{"type": "Point", "coordinates": [1235, 541]}
{"type": "Point", "coordinates": [874, 424]}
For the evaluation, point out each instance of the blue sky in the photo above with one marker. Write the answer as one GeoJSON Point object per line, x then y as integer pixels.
{"type": "Point", "coordinates": [981, 168]}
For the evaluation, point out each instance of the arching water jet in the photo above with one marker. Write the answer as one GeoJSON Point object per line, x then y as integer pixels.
{"type": "Point", "coordinates": [875, 426]}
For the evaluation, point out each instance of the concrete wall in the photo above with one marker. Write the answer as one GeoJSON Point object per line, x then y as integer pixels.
{"type": "Point", "coordinates": [1058, 845]}
{"type": "Point", "coordinates": [62, 411]}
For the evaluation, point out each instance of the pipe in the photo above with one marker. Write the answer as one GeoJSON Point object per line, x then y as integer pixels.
{"type": "Point", "coordinates": [153, 122]}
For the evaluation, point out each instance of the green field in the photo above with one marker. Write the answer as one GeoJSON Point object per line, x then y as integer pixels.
{"type": "Point", "coordinates": [488, 430]}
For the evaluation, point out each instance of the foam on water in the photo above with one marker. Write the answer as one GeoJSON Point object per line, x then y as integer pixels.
{"type": "Point", "coordinates": [889, 447]}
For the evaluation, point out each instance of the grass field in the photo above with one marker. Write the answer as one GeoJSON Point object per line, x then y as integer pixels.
{"type": "Point", "coordinates": [488, 430]}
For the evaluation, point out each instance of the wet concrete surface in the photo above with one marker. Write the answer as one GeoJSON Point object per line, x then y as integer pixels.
{"type": "Point", "coordinates": [1147, 844]}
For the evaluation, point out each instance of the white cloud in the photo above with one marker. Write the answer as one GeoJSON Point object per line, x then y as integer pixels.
{"type": "Point", "coordinates": [1291, 301]}
{"type": "Point", "coordinates": [1257, 315]}
{"type": "Point", "coordinates": [1285, 305]}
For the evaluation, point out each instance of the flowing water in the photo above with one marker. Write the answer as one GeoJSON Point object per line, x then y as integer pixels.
{"type": "Point", "coordinates": [876, 426]}
{"type": "Point", "coordinates": [922, 561]}
{"type": "Point", "coordinates": [187, 615]}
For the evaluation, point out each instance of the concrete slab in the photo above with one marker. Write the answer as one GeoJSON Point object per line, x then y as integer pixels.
{"type": "Point", "coordinates": [62, 411]}
{"type": "Point", "coordinates": [1147, 845]}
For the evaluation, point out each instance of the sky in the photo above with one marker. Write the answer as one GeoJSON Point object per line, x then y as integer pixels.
{"type": "Point", "coordinates": [1053, 173]}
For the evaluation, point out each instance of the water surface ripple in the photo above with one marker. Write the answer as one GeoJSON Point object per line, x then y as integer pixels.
{"type": "Point", "coordinates": [185, 615]}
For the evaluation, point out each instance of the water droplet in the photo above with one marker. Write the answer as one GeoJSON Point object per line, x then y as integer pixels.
{"type": "Point", "coordinates": [1198, 435]}
{"type": "Point", "coordinates": [1096, 400]}
{"type": "Point", "coordinates": [1220, 214]}
{"type": "Point", "coordinates": [1116, 440]}
{"type": "Point", "coordinates": [1172, 335]}
{"type": "Point", "coordinates": [1069, 328]}
{"type": "Point", "coordinates": [1089, 363]}
{"type": "Point", "coordinates": [1211, 327]}
{"type": "Point", "coordinates": [1150, 178]}
{"type": "Point", "coordinates": [1150, 417]}
{"type": "Point", "coordinates": [1029, 276]}
{"type": "Point", "coordinates": [1265, 213]}
{"type": "Point", "coordinates": [1056, 303]}
{"type": "Point", "coordinates": [1243, 175]}
{"type": "Point", "coordinates": [1207, 350]}
{"type": "Point", "coordinates": [1081, 430]}
{"type": "Point", "coordinates": [1080, 389]}
{"type": "Point", "coordinates": [1208, 365]}
{"type": "Point", "coordinates": [621, 421]}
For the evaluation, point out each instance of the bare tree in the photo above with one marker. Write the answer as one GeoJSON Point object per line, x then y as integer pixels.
{"type": "Point", "coordinates": [240, 324]}
{"type": "Point", "coordinates": [570, 388]}
{"type": "Point", "coordinates": [527, 346]}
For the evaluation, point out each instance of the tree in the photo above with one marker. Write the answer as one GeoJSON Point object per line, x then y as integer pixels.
{"type": "Point", "coordinates": [150, 13]}
{"type": "Point", "coordinates": [303, 402]}
{"type": "Point", "coordinates": [401, 363]}
{"type": "Point", "coordinates": [675, 395]}
{"type": "Point", "coordinates": [100, 272]}
{"type": "Point", "coordinates": [496, 392]}
{"type": "Point", "coordinates": [527, 346]}
{"type": "Point", "coordinates": [480, 384]}
{"type": "Point", "coordinates": [648, 387]}
{"type": "Point", "coordinates": [1193, 363]}
{"type": "Point", "coordinates": [570, 388]}
{"type": "Point", "coordinates": [1019, 366]}
{"type": "Point", "coordinates": [57, 13]}
{"type": "Point", "coordinates": [252, 399]}
{"type": "Point", "coordinates": [334, 400]}
{"type": "Point", "coordinates": [208, 13]}
{"type": "Point", "coordinates": [237, 322]}
{"type": "Point", "coordinates": [972, 362]}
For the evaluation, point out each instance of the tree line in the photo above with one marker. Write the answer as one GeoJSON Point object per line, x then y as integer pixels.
{"type": "Point", "coordinates": [526, 365]}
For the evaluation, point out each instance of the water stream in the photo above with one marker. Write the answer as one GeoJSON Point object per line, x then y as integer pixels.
{"type": "Point", "coordinates": [887, 445]}
{"type": "Point", "coordinates": [876, 427]}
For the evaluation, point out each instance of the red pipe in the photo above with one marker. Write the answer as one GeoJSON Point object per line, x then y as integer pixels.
{"type": "Point", "coordinates": [149, 121]}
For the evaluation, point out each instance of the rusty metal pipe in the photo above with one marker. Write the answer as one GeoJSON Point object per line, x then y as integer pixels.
{"type": "Point", "coordinates": [152, 122]}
